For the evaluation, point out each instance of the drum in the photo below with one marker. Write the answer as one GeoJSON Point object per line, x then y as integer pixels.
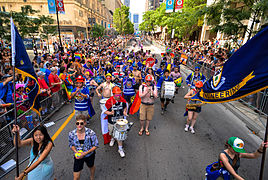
{"type": "Point", "coordinates": [120, 129]}
{"type": "Point", "coordinates": [168, 90]}
{"type": "Point", "coordinates": [102, 104]}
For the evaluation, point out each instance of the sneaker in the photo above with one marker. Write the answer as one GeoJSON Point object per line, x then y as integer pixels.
{"type": "Point", "coordinates": [192, 130]}
{"type": "Point", "coordinates": [172, 100]}
{"type": "Point", "coordinates": [186, 128]}
{"type": "Point", "coordinates": [122, 153]}
{"type": "Point", "coordinates": [112, 142]}
{"type": "Point", "coordinates": [162, 112]}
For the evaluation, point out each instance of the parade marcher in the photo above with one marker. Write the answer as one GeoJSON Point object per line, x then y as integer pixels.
{"type": "Point", "coordinates": [106, 87]}
{"type": "Point", "coordinates": [83, 142]}
{"type": "Point", "coordinates": [148, 94]}
{"type": "Point", "coordinates": [91, 85]}
{"type": "Point", "coordinates": [128, 87]}
{"type": "Point", "coordinates": [160, 72]}
{"type": "Point", "coordinates": [116, 109]}
{"type": "Point", "coordinates": [41, 166]}
{"type": "Point", "coordinates": [194, 107]}
{"type": "Point", "coordinates": [194, 77]}
{"type": "Point", "coordinates": [118, 76]}
{"type": "Point", "coordinates": [230, 157]}
{"type": "Point", "coordinates": [44, 91]}
{"type": "Point", "coordinates": [82, 101]}
{"type": "Point", "coordinates": [164, 101]}
{"type": "Point", "coordinates": [137, 75]}
{"type": "Point", "coordinates": [176, 75]}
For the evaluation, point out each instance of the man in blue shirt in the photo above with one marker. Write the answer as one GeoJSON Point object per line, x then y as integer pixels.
{"type": "Point", "coordinates": [195, 77]}
{"type": "Point", "coordinates": [164, 101]}
{"type": "Point", "coordinates": [6, 88]}
{"type": "Point", "coordinates": [159, 73]}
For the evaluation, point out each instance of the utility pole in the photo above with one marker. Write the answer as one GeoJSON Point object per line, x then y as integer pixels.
{"type": "Point", "coordinates": [172, 23]}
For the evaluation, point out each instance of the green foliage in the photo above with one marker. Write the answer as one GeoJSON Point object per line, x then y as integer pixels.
{"type": "Point", "coordinates": [184, 22]}
{"type": "Point", "coordinates": [97, 30]}
{"type": "Point", "coordinates": [229, 16]}
{"type": "Point", "coordinates": [122, 23]}
{"type": "Point", "coordinates": [27, 23]}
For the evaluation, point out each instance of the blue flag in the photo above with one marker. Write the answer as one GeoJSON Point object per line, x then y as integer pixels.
{"type": "Point", "coordinates": [24, 67]}
{"type": "Point", "coordinates": [245, 73]}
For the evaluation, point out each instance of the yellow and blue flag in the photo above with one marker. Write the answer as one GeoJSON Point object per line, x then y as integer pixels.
{"type": "Point", "coordinates": [23, 66]}
{"type": "Point", "coordinates": [245, 73]}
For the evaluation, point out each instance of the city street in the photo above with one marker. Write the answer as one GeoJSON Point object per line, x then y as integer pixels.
{"type": "Point", "coordinates": [168, 153]}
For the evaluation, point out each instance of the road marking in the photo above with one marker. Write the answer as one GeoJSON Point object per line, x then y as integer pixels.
{"type": "Point", "coordinates": [63, 126]}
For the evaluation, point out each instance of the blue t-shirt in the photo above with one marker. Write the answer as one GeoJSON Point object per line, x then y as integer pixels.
{"type": "Point", "coordinates": [81, 103]}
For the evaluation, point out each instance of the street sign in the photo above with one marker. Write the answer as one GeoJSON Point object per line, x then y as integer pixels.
{"type": "Point", "coordinates": [178, 5]}
{"type": "Point", "coordinates": [150, 61]}
{"type": "Point", "coordinates": [60, 6]}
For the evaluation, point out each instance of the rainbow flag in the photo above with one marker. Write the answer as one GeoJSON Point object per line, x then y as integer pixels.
{"type": "Point", "coordinates": [78, 55]}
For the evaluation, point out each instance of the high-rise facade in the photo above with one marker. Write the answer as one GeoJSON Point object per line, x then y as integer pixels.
{"type": "Point", "coordinates": [152, 4]}
{"type": "Point", "coordinates": [127, 3]}
{"type": "Point", "coordinates": [136, 18]}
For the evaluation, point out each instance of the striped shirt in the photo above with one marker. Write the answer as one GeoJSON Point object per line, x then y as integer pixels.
{"type": "Point", "coordinates": [81, 103]}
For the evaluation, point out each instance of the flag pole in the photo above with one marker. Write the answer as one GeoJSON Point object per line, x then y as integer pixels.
{"type": "Point", "coordinates": [57, 14]}
{"type": "Point", "coordinates": [264, 152]}
{"type": "Point", "coordinates": [14, 93]}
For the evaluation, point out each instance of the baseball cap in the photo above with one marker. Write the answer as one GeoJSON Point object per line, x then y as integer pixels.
{"type": "Point", "coordinates": [237, 144]}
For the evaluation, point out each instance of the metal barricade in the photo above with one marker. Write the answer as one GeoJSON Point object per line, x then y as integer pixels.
{"type": "Point", "coordinates": [27, 120]}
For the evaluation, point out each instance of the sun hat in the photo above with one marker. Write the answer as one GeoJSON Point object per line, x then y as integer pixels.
{"type": "Point", "coordinates": [237, 144]}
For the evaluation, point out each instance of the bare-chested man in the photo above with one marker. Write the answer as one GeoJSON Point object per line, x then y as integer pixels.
{"type": "Point", "coordinates": [137, 74]}
{"type": "Point", "coordinates": [106, 87]}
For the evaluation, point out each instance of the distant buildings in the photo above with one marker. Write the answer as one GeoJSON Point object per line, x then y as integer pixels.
{"type": "Point", "coordinates": [126, 3]}
{"type": "Point", "coordinates": [152, 4]}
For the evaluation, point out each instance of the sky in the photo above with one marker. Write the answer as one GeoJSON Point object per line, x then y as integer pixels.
{"type": "Point", "coordinates": [137, 7]}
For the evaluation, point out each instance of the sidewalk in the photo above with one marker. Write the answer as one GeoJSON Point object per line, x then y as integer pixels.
{"type": "Point", "coordinates": [255, 122]}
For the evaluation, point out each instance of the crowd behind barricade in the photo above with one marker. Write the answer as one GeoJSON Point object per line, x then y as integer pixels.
{"type": "Point", "coordinates": [127, 82]}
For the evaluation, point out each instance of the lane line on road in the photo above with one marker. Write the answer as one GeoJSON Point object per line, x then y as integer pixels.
{"type": "Point", "coordinates": [63, 126]}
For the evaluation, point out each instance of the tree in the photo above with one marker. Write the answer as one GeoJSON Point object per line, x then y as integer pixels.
{"type": "Point", "coordinates": [229, 16]}
{"type": "Point", "coordinates": [121, 21]}
{"type": "Point", "coordinates": [184, 22]}
{"type": "Point", "coordinates": [4, 25]}
{"type": "Point", "coordinates": [47, 29]}
{"type": "Point", "coordinates": [97, 30]}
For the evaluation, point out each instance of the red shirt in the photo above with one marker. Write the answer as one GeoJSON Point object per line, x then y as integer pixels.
{"type": "Point", "coordinates": [54, 79]}
{"type": "Point", "coordinates": [43, 85]}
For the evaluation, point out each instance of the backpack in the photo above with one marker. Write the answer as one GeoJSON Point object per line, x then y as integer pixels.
{"type": "Point", "coordinates": [215, 172]}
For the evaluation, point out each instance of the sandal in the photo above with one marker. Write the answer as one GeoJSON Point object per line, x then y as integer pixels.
{"type": "Point", "coordinates": [147, 133]}
{"type": "Point", "coordinates": [141, 132]}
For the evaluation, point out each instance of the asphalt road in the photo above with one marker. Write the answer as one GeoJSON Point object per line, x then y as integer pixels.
{"type": "Point", "coordinates": [168, 153]}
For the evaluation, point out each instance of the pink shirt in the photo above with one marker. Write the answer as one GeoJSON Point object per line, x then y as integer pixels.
{"type": "Point", "coordinates": [145, 95]}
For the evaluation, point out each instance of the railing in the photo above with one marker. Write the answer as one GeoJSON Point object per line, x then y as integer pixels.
{"type": "Point", "coordinates": [27, 120]}
{"type": "Point", "coordinates": [257, 102]}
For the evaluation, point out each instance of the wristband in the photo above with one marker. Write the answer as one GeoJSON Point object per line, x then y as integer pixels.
{"type": "Point", "coordinates": [25, 173]}
{"type": "Point", "coordinates": [259, 151]}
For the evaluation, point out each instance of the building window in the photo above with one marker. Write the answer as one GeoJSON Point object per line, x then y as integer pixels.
{"type": "Point", "coordinates": [3, 8]}
{"type": "Point", "coordinates": [24, 0]}
{"type": "Point", "coordinates": [81, 13]}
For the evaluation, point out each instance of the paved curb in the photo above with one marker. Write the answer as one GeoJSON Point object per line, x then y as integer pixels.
{"type": "Point", "coordinates": [258, 130]}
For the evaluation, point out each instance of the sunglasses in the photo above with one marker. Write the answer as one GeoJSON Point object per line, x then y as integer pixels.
{"type": "Point", "coordinates": [79, 123]}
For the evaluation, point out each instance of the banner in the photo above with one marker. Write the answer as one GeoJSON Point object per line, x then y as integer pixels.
{"type": "Point", "coordinates": [60, 6]}
{"type": "Point", "coordinates": [51, 6]}
{"type": "Point", "coordinates": [24, 66]}
{"type": "Point", "coordinates": [178, 5]}
{"type": "Point", "coordinates": [245, 73]}
{"type": "Point", "coordinates": [169, 6]}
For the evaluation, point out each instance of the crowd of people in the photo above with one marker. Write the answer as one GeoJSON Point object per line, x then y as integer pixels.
{"type": "Point", "coordinates": [104, 68]}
